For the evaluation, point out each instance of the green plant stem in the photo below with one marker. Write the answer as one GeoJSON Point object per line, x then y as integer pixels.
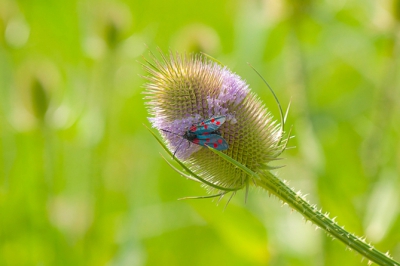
{"type": "Point", "coordinates": [278, 188]}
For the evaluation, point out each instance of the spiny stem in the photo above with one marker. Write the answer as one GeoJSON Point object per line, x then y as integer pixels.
{"type": "Point", "coordinates": [287, 195]}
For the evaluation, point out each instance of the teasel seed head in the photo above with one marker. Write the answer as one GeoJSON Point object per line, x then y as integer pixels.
{"type": "Point", "coordinates": [183, 90]}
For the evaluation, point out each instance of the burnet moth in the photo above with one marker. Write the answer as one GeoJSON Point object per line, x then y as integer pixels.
{"type": "Point", "coordinates": [205, 133]}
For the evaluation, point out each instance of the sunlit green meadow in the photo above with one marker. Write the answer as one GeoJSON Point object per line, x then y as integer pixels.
{"type": "Point", "coordinates": [82, 181]}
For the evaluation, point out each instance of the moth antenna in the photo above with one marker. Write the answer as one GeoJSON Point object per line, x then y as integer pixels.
{"type": "Point", "coordinates": [170, 132]}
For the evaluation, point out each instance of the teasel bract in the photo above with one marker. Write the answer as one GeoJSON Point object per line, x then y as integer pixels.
{"type": "Point", "coordinates": [185, 90]}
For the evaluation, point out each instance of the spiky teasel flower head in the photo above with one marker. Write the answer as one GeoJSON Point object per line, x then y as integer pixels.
{"type": "Point", "coordinates": [185, 90]}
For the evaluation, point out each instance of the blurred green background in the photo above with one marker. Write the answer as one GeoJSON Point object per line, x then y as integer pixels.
{"type": "Point", "coordinates": [82, 181]}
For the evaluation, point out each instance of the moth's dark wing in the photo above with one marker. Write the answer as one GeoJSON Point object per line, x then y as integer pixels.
{"type": "Point", "coordinates": [208, 125]}
{"type": "Point", "coordinates": [212, 140]}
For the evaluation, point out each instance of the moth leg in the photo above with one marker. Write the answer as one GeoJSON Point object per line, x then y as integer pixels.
{"type": "Point", "coordinates": [177, 148]}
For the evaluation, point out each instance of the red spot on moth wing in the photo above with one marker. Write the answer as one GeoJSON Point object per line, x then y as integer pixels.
{"type": "Point", "coordinates": [215, 145]}
{"type": "Point", "coordinates": [212, 120]}
{"type": "Point", "coordinates": [205, 126]}
{"type": "Point", "coordinates": [206, 133]}
{"type": "Point", "coordinates": [207, 140]}
{"type": "Point", "coordinates": [196, 141]}
{"type": "Point", "coordinates": [218, 123]}
{"type": "Point", "coordinates": [219, 141]}
{"type": "Point", "coordinates": [193, 128]}
{"type": "Point", "coordinates": [202, 123]}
